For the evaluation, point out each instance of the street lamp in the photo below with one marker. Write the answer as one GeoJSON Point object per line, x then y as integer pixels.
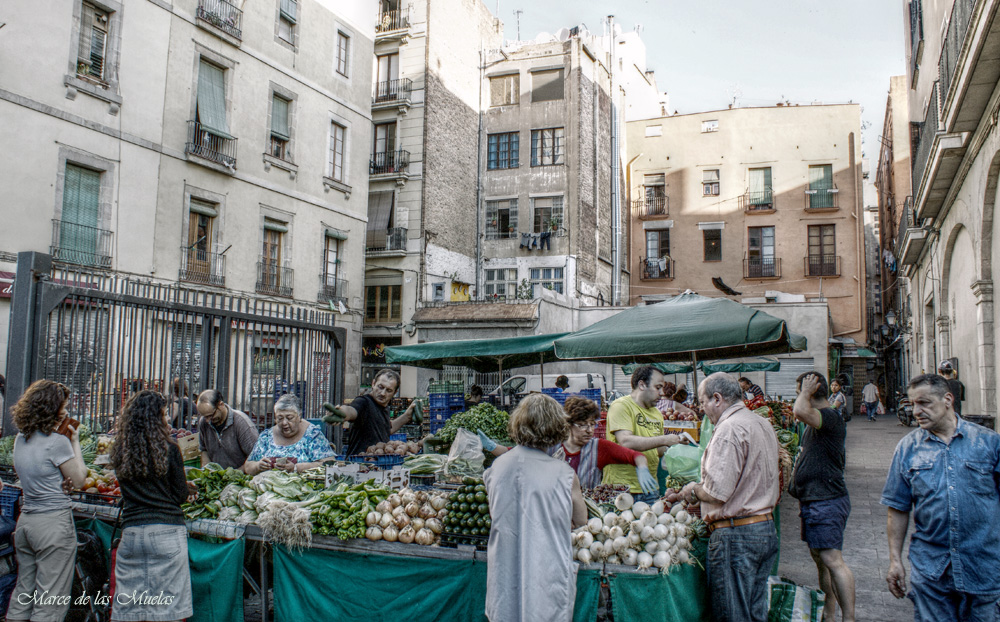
{"type": "Point", "coordinates": [890, 318]}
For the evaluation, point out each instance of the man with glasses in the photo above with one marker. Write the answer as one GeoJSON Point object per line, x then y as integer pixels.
{"type": "Point", "coordinates": [369, 414]}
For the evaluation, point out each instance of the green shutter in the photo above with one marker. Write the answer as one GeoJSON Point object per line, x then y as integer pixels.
{"type": "Point", "coordinates": [81, 206]}
{"type": "Point", "coordinates": [212, 99]}
{"type": "Point", "coordinates": [289, 10]}
{"type": "Point", "coordinates": [279, 118]}
{"type": "Point", "coordinates": [821, 177]}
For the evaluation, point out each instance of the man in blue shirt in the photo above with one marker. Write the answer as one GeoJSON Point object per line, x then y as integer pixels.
{"type": "Point", "coordinates": [947, 474]}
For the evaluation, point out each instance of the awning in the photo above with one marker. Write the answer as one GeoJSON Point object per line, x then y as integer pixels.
{"type": "Point", "coordinates": [482, 355]}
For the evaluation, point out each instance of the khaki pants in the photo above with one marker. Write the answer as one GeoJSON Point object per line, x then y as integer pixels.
{"type": "Point", "coordinates": [46, 555]}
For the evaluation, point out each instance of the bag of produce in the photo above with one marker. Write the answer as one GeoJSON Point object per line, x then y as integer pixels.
{"type": "Point", "coordinates": [466, 456]}
{"type": "Point", "coordinates": [246, 498]}
{"type": "Point", "coordinates": [793, 603]}
{"type": "Point", "coordinates": [683, 462]}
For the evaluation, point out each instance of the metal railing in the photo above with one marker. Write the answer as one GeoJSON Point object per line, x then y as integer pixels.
{"type": "Point", "coordinates": [201, 266]}
{"type": "Point", "coordinates": [274, 279]}
{"type": "Point", "coordinates": [389, 91]}
{"type": "Point", "coordinates": [332, 289]}
{"type": "Point", "coordinates": [392, 20]}
{"type": "Point", "coordinates": [389, 162]}
{"type": "Point", "coordinates": [652, 206]}
{"type": "Point", "coordinates": [390, 240]}
{"type": "Point", "coordinates": [762, 268]}
{"type": "Point", "coordinates": [755, 200]}
{"type": "Point", "coordinates": [204, 144]}
{"type": "Point", "coordinates": [822, 198]}
{"type": "Point", "coordinates": [821, 265]}
{"type": "Point", "coordinates": [925, 138]}
{"type": "Point", "coordinates": [223, 15]}
{"type": "Point", "coordinates": [80, 244]}
{"type": "Point", "coordinates": [954, 40]}
{"type": "Point", "coordinates": [653, 268]}
{"type": "Point", "coordinates": [907, 220]}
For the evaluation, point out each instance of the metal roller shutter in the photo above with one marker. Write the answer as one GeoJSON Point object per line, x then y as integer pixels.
{"type": "Point", "coordinates": [781, 383]}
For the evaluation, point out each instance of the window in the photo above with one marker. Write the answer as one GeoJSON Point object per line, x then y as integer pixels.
{"type": "Point", "coordinates": [760, 252]}
{"type": "Point", "coordinates": [386, 78]}
{"type": "Point", "coordinates": [211, 107]}
{"type": "Point", "coordinates": [331, 261]}
{"type": "Point", "coordinates": [272, 278]}
{"type": "Point", "coordinates": [437, 292]}
{"type": "Point", "coordinates": [822, 251]}
{"type": "Point", "coordinates": [288, 11]}
{"type": "Point", "coordinates": [655, 191]}
{"type": "Point", "coordinates": [547, 147]}
{"type": "Point", "coordinates": [710, 126]}
{"type": "Point", "coordinates": [280, 133]}
{"type": "Point", "coordinates": [547, 213]}
{"type": "Point", "coordinates": [546, 85]}
{"type": "Point", "coordinates": [759, 195]}
{"type": "Point", "coordinates": [500, 283]}
{"type": "Point", "coordinates": [505, 90]}
{"type": "Point", "coordinates": [658, 244]}
{"type": "Point", "coordinates": [713, 244]}
{"type": "Point", "coordinates": [501, 219]}
{"type": "Point", "coordinates": [80, 240]}
{"type": "Point", "coordinates": [383, 303]}
{"type": "Point", "coordinates": [822, 193]}
{"type": "Point", "coordinates": [710, 183]}
{"type": "Point", "coordinates": [200, 264]}
{"type": "Point", "coordinates": [93, 54]}
{"type": "Point", "coordinates": [343, 53]}
{"type": "Point", "coordinates": [549, 278]}
{"type": "Point", "coordinates": [503, 150]}
{"type": "Point", "coordinates": [337, 133]}
{"type": "Point", "coordinates": [385, 138]}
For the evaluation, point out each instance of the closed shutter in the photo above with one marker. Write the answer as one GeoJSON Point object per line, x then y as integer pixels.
{"type": "Point", "coordinates": [212, 99]}
{"type": "Point", "coordinates": [81, 205]}
{"type": "Point", "coordinates": [781, 383]}
{"type": "Point", "coordinates": [621, 381]}
{"type": "Point", "coordinates": [279, 118]}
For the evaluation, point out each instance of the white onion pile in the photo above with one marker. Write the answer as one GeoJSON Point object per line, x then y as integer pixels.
{"type": "Point", "coordinates": [641, 535]}
{"type": "Point", "coordinates": [408, 517]}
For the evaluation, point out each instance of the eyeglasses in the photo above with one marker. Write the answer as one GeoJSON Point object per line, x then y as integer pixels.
{"type": "Point", "coordinates": [585, 426]}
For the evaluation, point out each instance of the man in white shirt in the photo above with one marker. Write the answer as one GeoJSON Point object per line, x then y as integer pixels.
{"type": "Point", "coordinates": [870, 395]}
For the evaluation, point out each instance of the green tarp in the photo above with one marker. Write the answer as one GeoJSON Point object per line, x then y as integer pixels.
{"type": "Point", "coordinates": [679, 329]}
{"type": "Point", "coordinates": [732, 367]}
{"type": "Point", "coordinates": [482, 355]}
{"type": "Point", "coordinates": [216, 580]}
{"type": "Point", "coordinates": [681, 594]}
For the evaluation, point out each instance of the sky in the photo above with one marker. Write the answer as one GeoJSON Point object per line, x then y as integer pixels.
{"type": "Point", "coordinates": [705, 52]}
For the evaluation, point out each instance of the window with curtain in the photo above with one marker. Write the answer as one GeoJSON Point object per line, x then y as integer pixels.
{"type": "Point", "coordinates": [547, 213]}
{"type": "Point", "coordinates": [79, 236]}
{"type": "Point", "coordinates": [658, 244]}
{"type": "Point", "coordinates": [280, 132]}
{"type": "Point", "coordinates": [822, 250]}
{"type": "Point", "coordinates": [501, 219]}
{"type": "Point", "coordinates": [547, 147]}
{"type": "Point", "coordinates": [337, 133]}
{"type": "Point", "coordinates": [211, 108]}
{"type": "Point", "coordinates": [713, 244]}
{"type": "Point", "coordinates": [710, 182]}
{"type": "Point", "coordinates": [94, 28]}
{"type": "Point", "coordinates": [386, 78]}
{"type": "Point", "coordinates": [546, 85]}
{"type": "Point", "coordinates": [343, 53]}
{"type": "Point", "coordinates": [503, 150]}
{"type": "Point", "coordinates": [759, 194]}
{"type": "Point", "coordinates": [548, 278]}
{"type": "Point", "coordinates": [505, 90]}
{"type": "Point", "coordinates": [821, 190]}
{"type": "Point", "coordinates": [655, 192]}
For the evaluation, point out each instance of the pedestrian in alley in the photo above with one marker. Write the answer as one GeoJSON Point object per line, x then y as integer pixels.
{"type": "Point", "coordinates": [818, 483]}
{"type": "Point", "coordinates": [946, 474]}
{"type": "Point", "coordinates": [738, 492]}
{"type": "Point", "coordinates": [871, 397]}
{"type": "Point", "coordinates": [948, 371]}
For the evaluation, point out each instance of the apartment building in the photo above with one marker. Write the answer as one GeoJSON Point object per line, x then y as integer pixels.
{"type": "Point", "coordinates": [753, 203]}
{"type": "Point", "coordinates": [210, 145]}
{"type": "Point", "coordinates": [945, 245]}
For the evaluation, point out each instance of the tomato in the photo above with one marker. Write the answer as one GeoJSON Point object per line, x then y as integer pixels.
{"type": "Point", "coordinates": [103, 488]}
{"type": "Point", "coordinates": [88, 483]}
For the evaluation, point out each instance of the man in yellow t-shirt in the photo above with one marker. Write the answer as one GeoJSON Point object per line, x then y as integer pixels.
{"type": "Point", "coordinates": [635, 422]}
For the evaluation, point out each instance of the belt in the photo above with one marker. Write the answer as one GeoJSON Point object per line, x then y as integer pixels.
{"type": "Point", "coordinates": [739, 521]}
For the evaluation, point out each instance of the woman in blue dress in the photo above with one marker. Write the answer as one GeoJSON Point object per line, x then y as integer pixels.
{"type": "Point", "coordinates": [291, 437]}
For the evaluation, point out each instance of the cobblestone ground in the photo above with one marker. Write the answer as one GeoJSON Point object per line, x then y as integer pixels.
{"type": "Point", "coordinates": [869, 450]}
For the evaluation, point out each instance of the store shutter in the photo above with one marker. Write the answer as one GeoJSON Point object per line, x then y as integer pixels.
{"type": "Point", "coordinates": [781, 383]}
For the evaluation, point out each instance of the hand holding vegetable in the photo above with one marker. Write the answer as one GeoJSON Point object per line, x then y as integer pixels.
{"type": "Point", "coordinates": [488, 443]}
{"type": "Point", "coordinates": [416, 413]}
{"type": "Point", "coordinates": [334, 415]}
{"type": "Point", "coordinates": [646, 480]}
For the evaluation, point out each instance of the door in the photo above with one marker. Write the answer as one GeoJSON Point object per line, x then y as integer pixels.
{"type": "Point", "coordinates": [822, 250]}
{"type": "Point", "coordinates": [760, 188]}
{"type": "Point", "coordinates": [385, 145]}
{"type": "Point", "coordinates": [199, 244]}
{"type": "Point", "coordinates": [271, 258]}
{"type": "Point", "coordinates": [760, 252]}
{"type": "Point", "coordinates": [387, 74]}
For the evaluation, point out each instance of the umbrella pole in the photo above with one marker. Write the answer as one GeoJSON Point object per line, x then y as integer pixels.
{"type": "Point", "coordinates": [541, 365]}
{"type": "Point", "coordinates": [500, 380]}
{"type": "Point", "coordinates": [694, 375]}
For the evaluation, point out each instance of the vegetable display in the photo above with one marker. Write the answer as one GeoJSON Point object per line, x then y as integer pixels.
{"type": "Point", "coordinates": [211, 481]}
{"type": "Point", "coordinates": [397, 448]}
{"type": "Point", "coordinates": [484, 418]}
{"type": "Point", "coordinates": [468, 513]}
{"type": "Point", "coordinates": [408, 517]}
{"type": "Point", "coordinates": [425, 464]}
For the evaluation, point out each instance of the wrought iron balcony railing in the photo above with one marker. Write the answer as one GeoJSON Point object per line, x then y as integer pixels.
{"type": "Point", "coordinates": [81, 244]}
{"type": "Point", "coordinates": [392, 240]}
{"type": "Point", "coordinates": [204, 143]}
{"type": "Point", "coordinates": [954, 41]}
{"type": "Point", "coordinates": [223, 15]}
{"type": "Point", "coordinates": [651, 207]}
{"type": "Point", "coordinates": [762, 268]}
{"type": "Point", "coordinates": [821, 265]}
{"type": "Point", "coordinates": [332, 289]}
{"type": "Point", "coordinates": [822, 198]}
{"type": "Point", "coordinates": [925, 137]}
{"type": "Point", "coordinates": [392, 20]}
{"type": "Point", "coordinates": [201, 266]}
{"type": "Point", "coordinates": [389, 91]}
{"type": "Point", "coordinates": [653, 268]}
{"type": "Point", "coordinates": [274, 279]}
{"type": "Point", "coordinates": [757, 200]}
{"type": "Point", "coordinates": [389, 162]}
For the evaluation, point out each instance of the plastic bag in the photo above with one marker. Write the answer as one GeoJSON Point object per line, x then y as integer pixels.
{"type": "Point", "coordinates": [881, 409]}
{"type": "Point", "coordinates": [683, 462]}
{"type": "Point", "coordinates": [466, 456]}
{"type": "Point", "coordinates": [793, 603]}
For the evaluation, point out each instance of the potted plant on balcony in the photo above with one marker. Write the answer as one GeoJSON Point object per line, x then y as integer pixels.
{"type": "Point", "coordinates": [554, 224]}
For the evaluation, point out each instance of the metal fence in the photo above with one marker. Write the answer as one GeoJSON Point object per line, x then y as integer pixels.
{"type": "Point", "coordinates": [223, 15]}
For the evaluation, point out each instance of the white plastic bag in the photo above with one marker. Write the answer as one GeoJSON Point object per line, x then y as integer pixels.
{"type": "Point", "coordinates": [466, 456]}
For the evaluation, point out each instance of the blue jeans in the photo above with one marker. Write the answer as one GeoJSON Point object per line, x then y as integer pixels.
{"type": "Point", "coordinates": [739, 561]}
{"type": "Point", "coordinates": [935, 600]}
{"type": "Point", "coordinates": [871, 408]}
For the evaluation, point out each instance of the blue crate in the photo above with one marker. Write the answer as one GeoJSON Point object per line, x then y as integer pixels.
{"type": "Point", "coordinates": [398, 437]}
{"type": "Point", "coordinates": [382, 462]}
{"type": "Point", "coordinates": [437, 426]}
{"type": "Point", "coordinates": [551, 390]}
{"type": "Point", "coordinates": [439, 400]}
{"type": "Point", "coordinates": [594, 394]}
{"type": "Point", "coordinates": [10, 496]}
{"type": "Point", "coordinates": [560, 397]}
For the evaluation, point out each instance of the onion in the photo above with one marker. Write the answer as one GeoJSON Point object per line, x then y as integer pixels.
{"type": "Point", "coordinates": [424, 537]}
{"type": "Point", "coordinates": [385, 521]}
{"type": "Point", "coordinates": [683, 517]}
{"type": "Point", "coordinates": [407, 497]}
{"type": "Point", "coordinates": [629, 516]}
{"type": "Point", "coordinates": [648, 519]}
{"type": "Point", "coordinates": [434, 525]}
{"type": "Point", "coordinates": [394, 500]}
{"type": "Point", "coordinates": [645, 560]}
{"type": "Point", "coordinates": [652, 547]}
{"type": "Point", "coordinates": [585, 556]}
{"type": "Point", "coordinates": [595, 525]}
{"type": "Point", "coordinates": [615, 532]}
{"type": "Point", "coordinates": [374, 533]}
{"type": "Point", "coordinates": [634, 539]}
{"type": "Point", "coordinates": [683, 557]}
{"type": "Point", "coordinates": [610, 519]}
{"type": "Point", "coordinates": [647, 534]}
{"type": "Point", "coordinates": [629, 557]}
{"type": "Point", "coordinates": [605, 530]}
{"type": "Point", "coordinates": [398, 511]}
{"type": "Point", "coordinates": [614, 559]}
{"type": "Point", "coordinates": [597, 550]}
{"type": "Point", "coordinates": [417, 523]}
{"type": "Point", "coordinates": [412, 509]}
{"type": "Point", "coordinates": [390, 533]}
{"type": "Point", "coordinates": [636, 526]}
{"type": "Point", "coordinates": [383, 507]}
{"type": "Point", "coordinates": [658, 507]}
{"type": "Point", "coordinates": [661, 559]}
{"type": "Point", "coordinates": [438, 502]}
{"type": "Point", "coordinates": [677, 508]}
{"type": "Point", "coordinates": [660, 532]}
{"type": "Point", "coordinates": [683, 543]}
{"type": "Point", "coordinates": [402, 521]}
{"type": "Point", "coordinates": [422, 496]}
{"type": "Point", "coordinates": [665, 519]}
{"type": "Point", "coordinates": [373, 518]}
{"type": "Point", "coordinates": [442, 513]}
{"type": "Point", "coordinates": [639, 507]}
{"type": "Point", "coordinates": [671, 539]}
{"type": "Point", "coordinates": [619, 543]}
{"type": "Point", "coordinates": [623, 501]}
{"type": "Point", "coordinates": [406, 534]}
{"type": "Point", "coordinates": [663, 545]}
{"type": "Point", "coordinates": [586, 539]}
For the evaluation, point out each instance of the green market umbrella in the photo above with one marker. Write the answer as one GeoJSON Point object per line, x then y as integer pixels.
{"type": "Point", "coordinates": [710, 367]}
{"type": "Point", "coordinates": [665, 368]}
{"type": "Point", "coordinates": [482, 355]}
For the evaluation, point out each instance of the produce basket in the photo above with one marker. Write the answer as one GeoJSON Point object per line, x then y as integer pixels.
{"type": "Point", "coordinates": [7, 474]}
{"type": "Point", "coordinates": [10, 500]}
{"type": "Point", "coordinates": [382, 462]}
{"type": "Point", "coordinates": [422, 480]}
{"type": "Point", "coordinates": [90, 498]}
{"type": "Point", "coordinates": [452, 540]}
{"type": "Point", "coordinates": [398, 437]}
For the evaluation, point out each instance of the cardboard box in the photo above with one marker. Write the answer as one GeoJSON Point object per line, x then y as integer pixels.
{"type": "Point", "coordinates": [189, 447]}
{"type": "Point", "coordinates": [695, 432]}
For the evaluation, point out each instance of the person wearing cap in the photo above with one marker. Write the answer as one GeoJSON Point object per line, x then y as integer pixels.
{"type": "Point", "coordinates": [955, 386]}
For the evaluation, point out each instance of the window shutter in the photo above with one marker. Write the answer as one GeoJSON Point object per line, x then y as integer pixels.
{"type": "Point", "coordinates": [98, 42]}
{"type": "Point", "coordinates": [86, 28]}
{"type": "Point", "coordinates": [212, 99]}
{"type": "Point", "coordinates": [279, 118]}
{"type": "Point", "coordinates": [289, 10]}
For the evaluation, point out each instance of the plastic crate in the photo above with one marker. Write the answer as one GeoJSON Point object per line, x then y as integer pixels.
{"type": "Point", "coordinates": [422, 480]}
{"type": "Point", "coordinates": [382, 462]}
{"type": "Point", "coordinates": [437, 426]}
{"type": "Point", "coordinates": [7, 474]}
{"type": "Point", "coordinates": [398, 437]}
{"type": "Point", "coordinates": [10, 500]}
{"type": "Point", "coordinates": [601, 429]}
{"type": "Point", "coordinates": [412, 431]}
{"type": "Point", "coordinates": [551, 390]}
{"type": "Point", "coordinates": [439, 400]}
{"type": "Point", "coordinates": [452, 540]}
{"type": "Point", "coordinates": [592, 394]}
{"type": "Point", "coordinates": [91, 498]}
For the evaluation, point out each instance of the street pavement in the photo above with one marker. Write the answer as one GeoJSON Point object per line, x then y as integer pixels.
{"type": "Point", "coordinates": [870, 446]}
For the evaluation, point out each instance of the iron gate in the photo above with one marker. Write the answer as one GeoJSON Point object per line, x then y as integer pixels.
{"type": "Point", "coordinates": [107, 336]}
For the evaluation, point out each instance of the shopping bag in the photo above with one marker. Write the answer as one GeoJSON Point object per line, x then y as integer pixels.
{"type": "Point", "coordinates": [864, 408]}
{"type": "Point", "coordinates": [793, 603]}
{"type": "Point", "coordinates": [683, 462]}
{"type": "Point", "coordinates": [880, 410]}
{"type": "Point", "coordinates": [466, 456]}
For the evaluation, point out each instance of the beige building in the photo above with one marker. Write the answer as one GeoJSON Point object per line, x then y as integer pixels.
{"type": "Point", "coordinates": [754, 203]}
{"type": "Point", "coordinates": [946, 248]}
{"type": "Point", "coordinates": [222, 147]}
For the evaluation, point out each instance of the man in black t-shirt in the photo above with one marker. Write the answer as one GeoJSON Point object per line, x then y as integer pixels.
{"type": "Point", "coordinates": [955, 386]}
{"type": "Point", "coordinates": [369, 414]}
{"type": "Point", "coordinates": [818, 484]}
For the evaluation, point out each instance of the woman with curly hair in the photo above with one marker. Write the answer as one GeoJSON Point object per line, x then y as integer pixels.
{"type": "Point", "coordinates": [152, 577]}
{"type": "Point", "coordinates": [535, 501]}
{"type": "Point", "coordinates": [45, 538]}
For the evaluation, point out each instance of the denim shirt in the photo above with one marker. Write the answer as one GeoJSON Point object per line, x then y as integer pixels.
{"type": "Point", "coordinates": [952, 490]}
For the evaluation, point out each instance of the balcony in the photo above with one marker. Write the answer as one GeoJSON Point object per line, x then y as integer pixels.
{"type": "Point", "coordinates": [821, 265]}
{"type": "Point", "coordinates": [662, 268]}
{"type": "Point", "coordinates": [80, 244]}
{"type": "Point", "coordinates": [392, 94]}
{"type": "Point", "coordinates": [332, 289]}
{"type": "Point", "coordinates": [651, 208]}
{"type": "Point", "coordinates": [822, 199]}
{"type": "Point", "coordinates": [911, 236]}
{"type": "Point", "coordinates": [273, 279]}
{"type": "Point", "coordinates": [200, 266]}
{"type": "Point", "coordinates": [222, 15]}
{"type": "Point", "coordinates": [391, 24]}
{"type": "Point", "coordinates": [211, 146]}
{"type": "Point", "coordinates": [757, 201]}
{"type": "Point", "coordinates": [954, 41]}
{"type": "Point", "coordinates": [762, 268]}
{"type": "Point", "coordinates": [390, 164]}
{"type": "Point", "coordinates": [388, 243]}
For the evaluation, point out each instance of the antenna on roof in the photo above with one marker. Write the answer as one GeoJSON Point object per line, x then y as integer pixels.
{"type": "Point", "coordinates": [517, 14]}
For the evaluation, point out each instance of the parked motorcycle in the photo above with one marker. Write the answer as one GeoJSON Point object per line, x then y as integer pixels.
{"type": "Point", "coordinates": [904, 409]}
